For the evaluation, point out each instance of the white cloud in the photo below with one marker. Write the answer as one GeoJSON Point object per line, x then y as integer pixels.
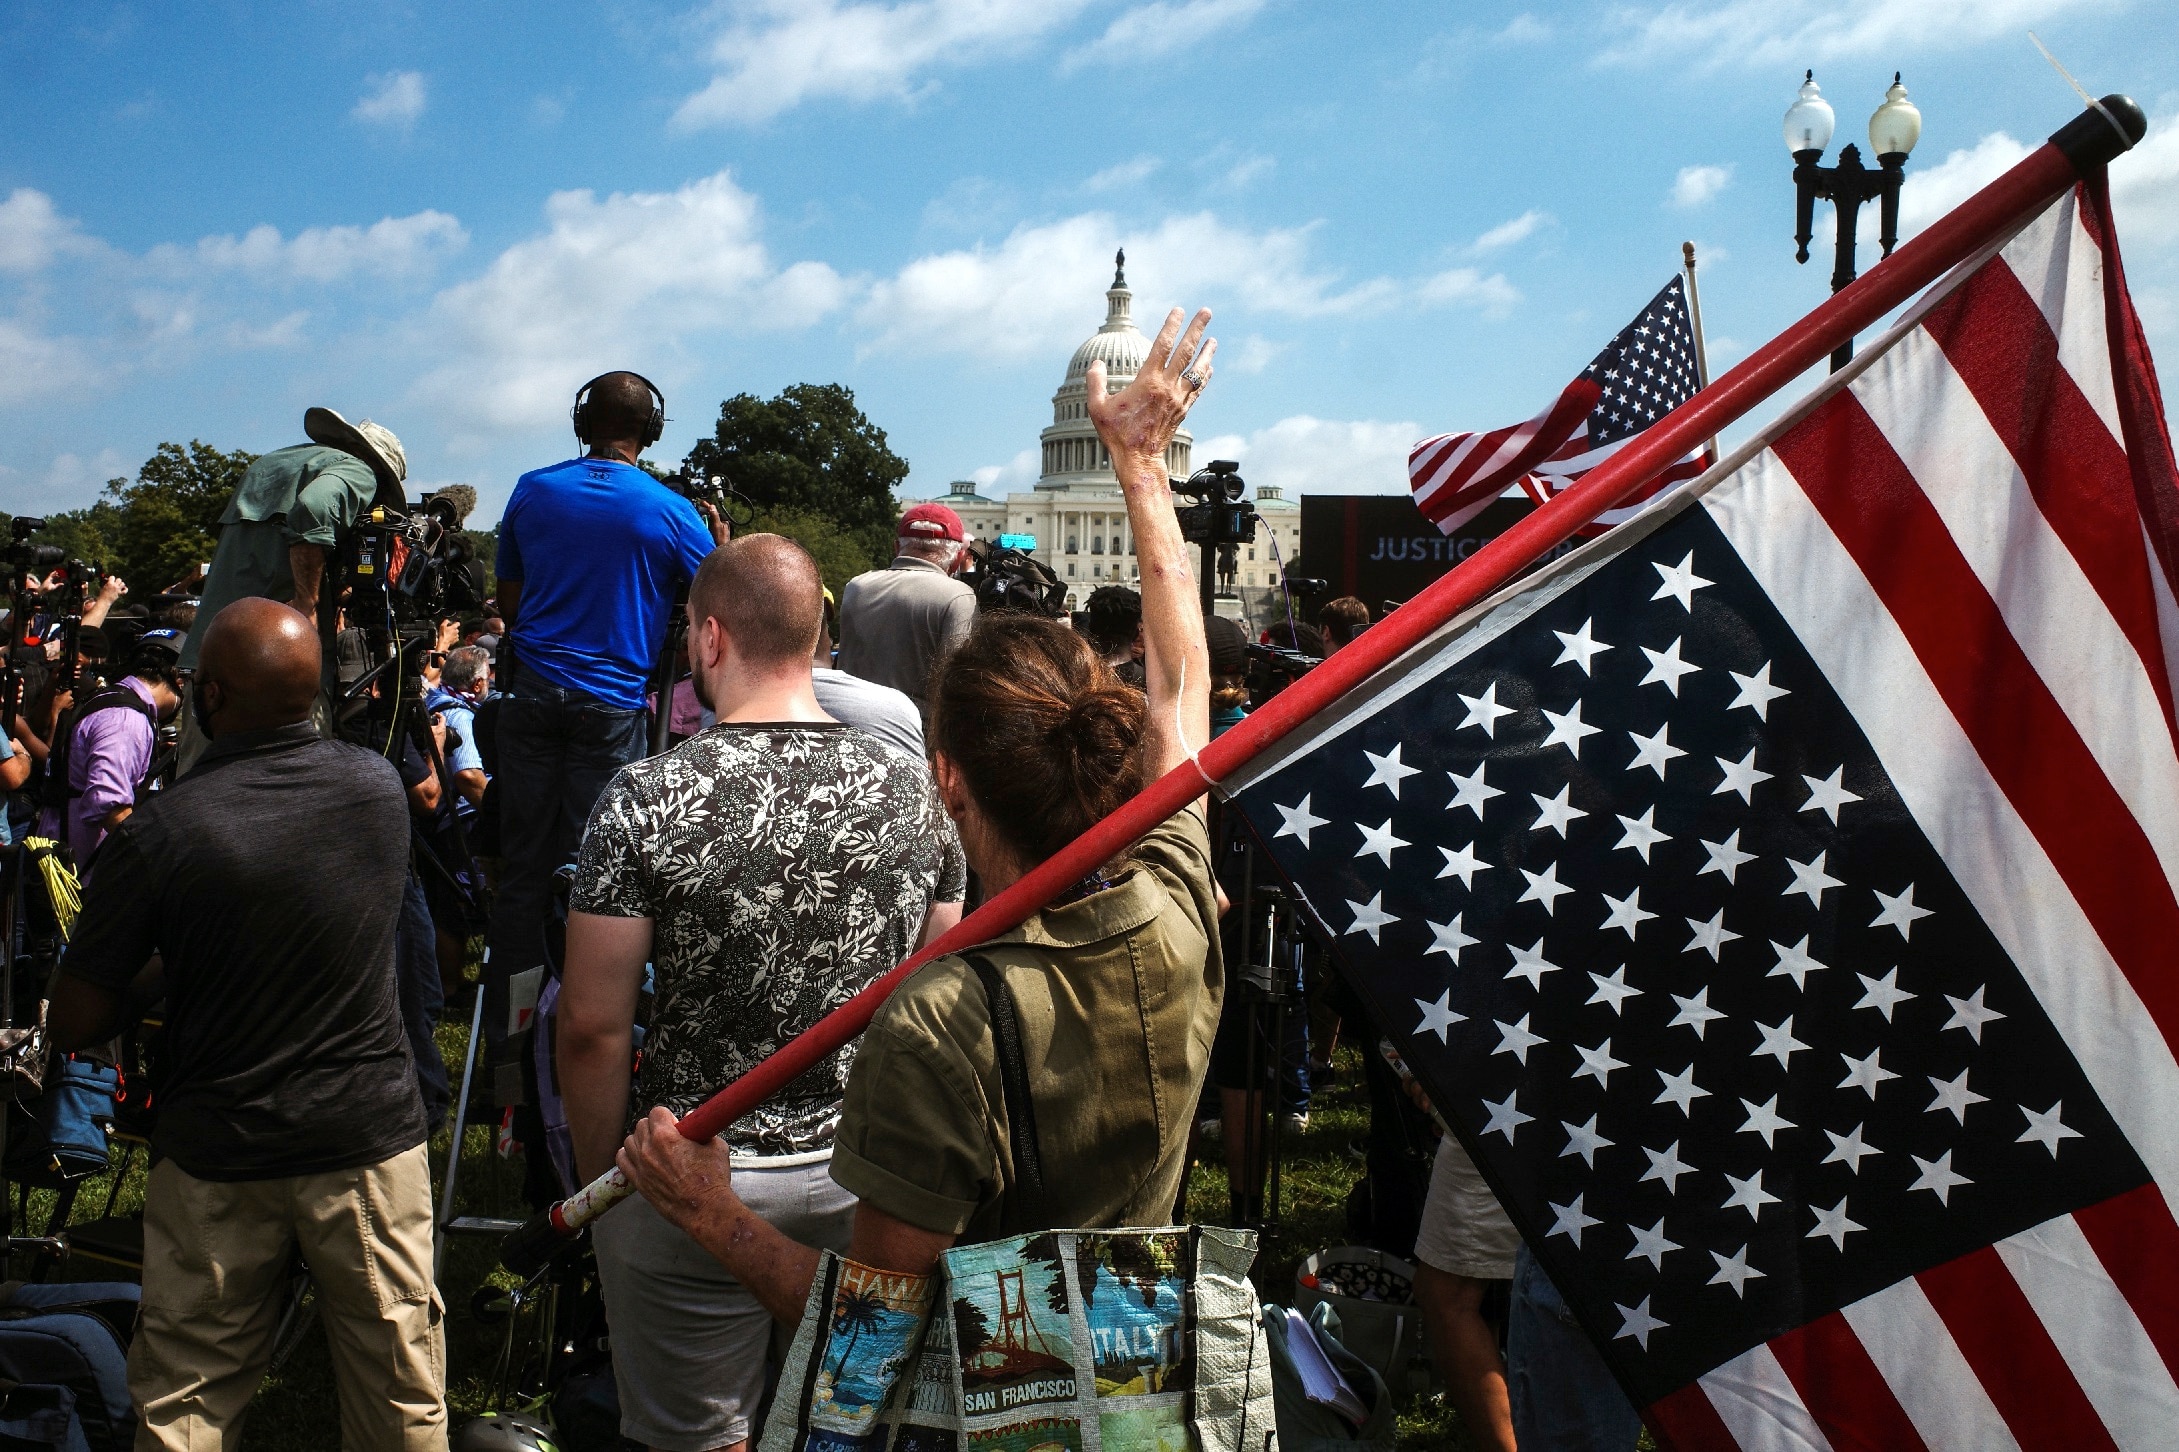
{"type": "Point", "coordinates": [1696, 185]}
{"type": "Point", "coordinates": [1252, 353]}
{"type": "Point", "coordinates": [33, 232]}
{"type": "Point", "coordinates": [2144, 184]}
{"type": "Point", "coordinates": [1320, 456]}
{"type": "Point", "coordinates": [1246, 170]}
{"type": "Point", "coordinates": [776, 54]}
{"type": "Point", "coordinates": [1123, 174]}
{"type": "Point", "coordinates": [1761, 34]}
{"type": "Point", "coordinates": [1159, 29]}
{"type": "Point", "coordinates": [1034, 292]}
{"type": "Point", "coordinates": [634, 271]}
{"type": "Point", "coordinates": [1019, 472]}
{"type": "Point", "coordinates": [70, 481]}
{"type": "Point", "coordinates": [1523, 29]}
{"type": "Point", "coordinates": [1517, 229]}
{"type": "Point", "coordinates": [1931, 191]}
{"type": "Point", "coordinates": [394, 99]}
{"type": "Point", "coordinates": [2145, 187]}
{"type": "Point", "coordinates": [33, 365]}
{"type": "Point", "coordinates": [392, 247]}
{"type": "Point", "coordinates": [1492, 296]}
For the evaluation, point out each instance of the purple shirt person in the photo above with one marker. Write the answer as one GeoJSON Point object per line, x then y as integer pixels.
{"type": "Point", "coordinates": [107, 756]}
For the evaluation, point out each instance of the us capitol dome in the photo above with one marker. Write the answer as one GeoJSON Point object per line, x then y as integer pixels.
{"type": "Point", "coordinates": [1076, 512]}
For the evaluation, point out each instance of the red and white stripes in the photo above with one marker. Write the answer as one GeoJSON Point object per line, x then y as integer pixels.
{"type": "Point", "coordinates": [1964, 543]}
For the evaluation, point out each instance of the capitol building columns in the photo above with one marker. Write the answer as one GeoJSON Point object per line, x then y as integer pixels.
{"type": "Point", "coordinates": [1076, 512]}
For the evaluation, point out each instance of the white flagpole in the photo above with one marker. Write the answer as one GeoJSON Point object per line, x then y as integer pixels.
{"type": "Point", "coordinates": [1694, 316]}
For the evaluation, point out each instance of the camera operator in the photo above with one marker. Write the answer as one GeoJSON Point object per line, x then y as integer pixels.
{"type": "Point", "coordinates": [288, 1114]}
{"type": "Point", "coordinates": [1115, 985]}
{"type": "Point", "coordinates": [106, 750]}
{"type": "Point", "coordinates": [898, 624]}
{"type": "Point", "coordinates": [590, 553]}
{"type": "Point", "coordinates": [1113, 624]}
{"type": "Point", "coordinates": [450, 892]}
{"type": "Point", "coordinates": [767, 868]}
{"type": "Point", "coordinates": [285, 527]}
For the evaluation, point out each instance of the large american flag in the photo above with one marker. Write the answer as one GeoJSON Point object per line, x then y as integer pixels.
{"type": "Point", "coordinates": [1777, 895]}
{"type": "Point", "coordinates": [1642, 375]}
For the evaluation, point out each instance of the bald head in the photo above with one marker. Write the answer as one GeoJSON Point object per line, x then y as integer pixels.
{"type": "Point", "coordinates": [765, 592]}
{"type": "Point", "coordinates": [258, 667]}
{"type": "Point", "coordinates": [619, 410]}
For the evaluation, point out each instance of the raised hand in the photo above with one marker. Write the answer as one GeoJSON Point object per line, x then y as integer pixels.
{"type": "Point", "coordinates": [1139, 421]}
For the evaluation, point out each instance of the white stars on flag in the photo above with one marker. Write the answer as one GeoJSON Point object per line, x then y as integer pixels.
{"type": "Point", "coordinates": [1882, 994]}
{"type": "Point", "coordinates": [1545, 887]}
{"type": "Point", "coordinates": [1531, 964]}
{"type": "Point", "coordinates": [1680, 582]}
{"type": "Point", "coordinates": [1833, 1224]}
{"type": "Point", "coordinates": [1666, 667]}
{"type": "Point", "coordinates": [1378, 842]}
{"type": "Point", "coordinates": [1579, 647]}
{"type": "Point", "coordinates": [1778, 1042]}
{"type": "Point", "coordinates": [1827, 796]}
{"type": "Point", "coordinates": [1740, 777]}
{"type": "Point", "coordinates": [1298, 821]}
{"type": "Point", "coordinates": [1652, 1245]}
{"type": "Point", "coordinates": [1570, 1221]}
{"type": "Point", "coordinates": [1469, 791]}
{"type": "Point", "coordinates": [1568, 730]}
{"type": "Point", "coordinates": [1387, 772]}
{"type": "Point", "coordinates": [1726, 858]}
{"type": "Point", "coordinates": [1557, 813]}
{"type": "Point", "coordinates": [1968, 1013]}
{"type": "Point", "coordinates": [1439, 1016]}
{"type": "Point", "coordinates": [1463, 864]}
{"type": "Point", "coordinates": [2046, 1128]}
{"type": "Point", "coordinates": [1756, 692]}
{"type": "Point", "coordinates": [1484, 711]}
{"type": "Point", "coordinates": [1954, 1097]}
{"type": "Point", "coordinates": [1938, 1177]}
{"type": "Point", "coordinates": [1641, 834]}
{"type": "Point", "coordinates": [1898, 912]}
{"type": "Point", "coordinates": [1653, 751]}
{"type": "Point", "coordinates": [1710, 937]}
{"type": "Point", "coordinates": [1625, 913]}
{"type": "Point", "coordinates": [1637, 1322]}
{"type": "Point", "coordinates": [1505, 1117]}
{"type": "Point", "coordinates": [1370, 917]}
{"type": "Point", "coordinates": [1447, 938]}
{"type": "Point", "coordinates": [1810, 880]}
{"type": "Point", "coordinates": [1733, 1270]}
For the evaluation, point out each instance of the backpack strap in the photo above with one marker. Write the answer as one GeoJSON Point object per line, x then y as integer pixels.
{"type": "Point", "coordinates": [60, 790]}
{"type": "Point", "coordinates": [1021, 1119]}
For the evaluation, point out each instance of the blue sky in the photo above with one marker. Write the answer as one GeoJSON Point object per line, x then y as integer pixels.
{"type": "Point", "coordinates": [1408, 217]}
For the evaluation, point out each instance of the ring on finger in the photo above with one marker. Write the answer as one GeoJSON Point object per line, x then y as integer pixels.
{"type": "Point", "coordinates": [1190, 377]}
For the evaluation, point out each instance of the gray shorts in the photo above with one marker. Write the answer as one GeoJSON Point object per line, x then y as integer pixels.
{"type": "Point", "coordinates": [1465, 1231]}
{"type": "Point", "coordinates": [691, 1345]}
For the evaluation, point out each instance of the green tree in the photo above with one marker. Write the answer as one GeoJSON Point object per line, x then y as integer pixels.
{"type": "Point", "coordinates": [151, 529]}
{"type": "Point", "coordinates": [816, 466]}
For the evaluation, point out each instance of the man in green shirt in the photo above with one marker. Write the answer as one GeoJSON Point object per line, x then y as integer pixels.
{"type": "Point", "coordinates": [293, 510]}
{"type": "Point", "coordinates": [287, 521]}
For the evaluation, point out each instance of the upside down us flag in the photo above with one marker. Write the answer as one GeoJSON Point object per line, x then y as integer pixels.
{"type": "Point", "coordinates": [1777, 895]}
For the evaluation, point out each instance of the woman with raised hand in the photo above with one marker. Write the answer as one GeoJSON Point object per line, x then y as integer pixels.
{"type": "Point", "coordinates": [1112, 991]}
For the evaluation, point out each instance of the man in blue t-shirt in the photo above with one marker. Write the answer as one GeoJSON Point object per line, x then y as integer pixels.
{"type": "Point", "coordinates": [590, 555]}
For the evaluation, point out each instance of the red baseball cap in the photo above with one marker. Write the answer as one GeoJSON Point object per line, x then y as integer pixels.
{"type": "Point", "coordinates": [930, 521]}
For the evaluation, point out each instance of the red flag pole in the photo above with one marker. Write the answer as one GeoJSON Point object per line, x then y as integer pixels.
{"type": "Point", "coordinates": [2080, 148]}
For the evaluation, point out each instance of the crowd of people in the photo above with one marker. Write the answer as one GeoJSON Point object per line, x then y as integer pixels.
{"type": "Point", "coordinates": [699, 863]}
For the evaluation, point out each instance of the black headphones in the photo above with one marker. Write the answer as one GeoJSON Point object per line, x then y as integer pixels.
{"type": "Point", "coordinates": [652, 428]}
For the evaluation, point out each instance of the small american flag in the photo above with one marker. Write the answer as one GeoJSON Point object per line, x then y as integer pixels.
{"type": "Point", "coordinates": [1779, 896]}
{"type": "Point", "coordinates": [1642, 375]}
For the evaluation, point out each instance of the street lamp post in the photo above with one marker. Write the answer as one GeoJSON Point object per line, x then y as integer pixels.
{"type": "Point", "coordinates": [1893, 130]}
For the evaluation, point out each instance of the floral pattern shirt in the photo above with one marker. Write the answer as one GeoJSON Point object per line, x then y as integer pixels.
{"type": "Point", "coordinates": [784, 866]}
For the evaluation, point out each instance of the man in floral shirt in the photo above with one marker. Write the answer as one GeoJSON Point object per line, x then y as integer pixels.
{"type": "Point", "coordinates": [767, 868]}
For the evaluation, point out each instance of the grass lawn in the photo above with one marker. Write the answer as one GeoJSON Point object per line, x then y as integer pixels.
{"type": "Point", "coordinates": [296, 1412]}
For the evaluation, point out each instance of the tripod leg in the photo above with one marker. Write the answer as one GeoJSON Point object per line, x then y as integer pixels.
{"type": "Point", "coordinates": [461, 1126]}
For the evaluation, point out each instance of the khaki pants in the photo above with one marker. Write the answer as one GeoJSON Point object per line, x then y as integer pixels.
{"type": "Point", "coordinates": [215, 1262]}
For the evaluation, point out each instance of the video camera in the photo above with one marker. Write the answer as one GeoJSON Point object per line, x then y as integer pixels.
{"type": "Point", "coordinates": [41, 562]}
{"type": "Point", "coordinates": [1220, 516]}
{"type": "Point", "coordinates": [414, 568]}
{"type": "Point", "coordinates": [1005, 578]}
{"type": "Point", "coordinates": [736, 508]}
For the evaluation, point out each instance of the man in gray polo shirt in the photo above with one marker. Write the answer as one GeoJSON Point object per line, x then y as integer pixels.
{"type": "Point", "coordinates": [898, 623]}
